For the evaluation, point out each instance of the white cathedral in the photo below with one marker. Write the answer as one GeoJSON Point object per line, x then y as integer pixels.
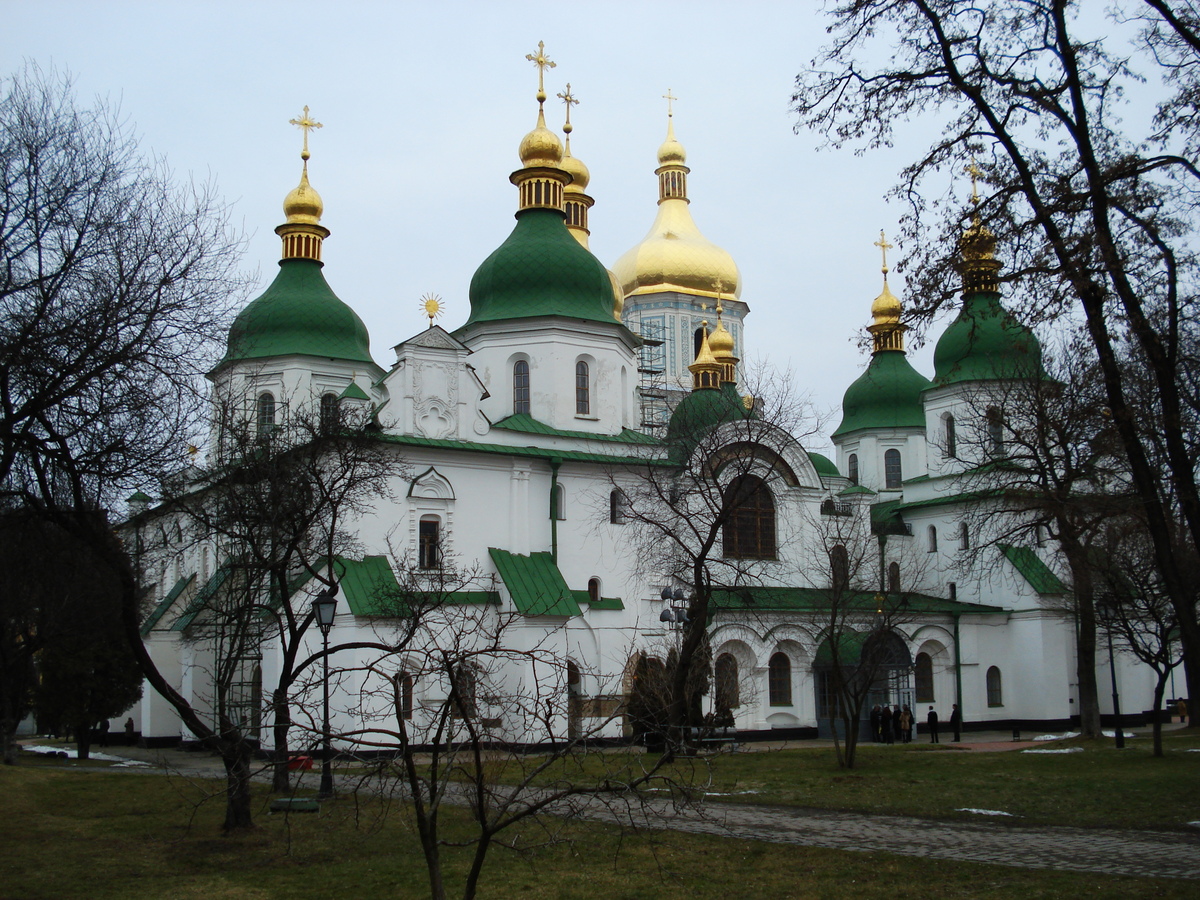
{"type": "Point", "coordinates": [515, 429]}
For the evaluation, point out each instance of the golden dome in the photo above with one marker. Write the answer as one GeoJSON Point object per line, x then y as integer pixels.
{"type": "Point", "coordinates": [541, 147]}
{"type": "Point", "coordinates": [573, 166]}
{"type": "Point", "coordinates": [671, 152]}
{"type": "Point", "coordinates": [303, 204]}
{"type": "Point", "coordinates": [721, 341]}
{"type": "Point", "coordinates": [885, 309]}
{"type": "Point", "coordinates": [618, 295]}
{"type": "Point", "coordinates": [886, 330]}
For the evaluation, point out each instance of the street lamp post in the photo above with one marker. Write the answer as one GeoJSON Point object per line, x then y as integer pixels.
{"type": "Point", "coordinates": [324, 609]}
{"type": "Point", "coordinates": [1104, 607]}
{"type": "Point", "coordinates": [674, 612]}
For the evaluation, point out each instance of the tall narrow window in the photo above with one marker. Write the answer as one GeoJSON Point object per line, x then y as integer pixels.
{"type": "Point", "coordinates": [995, 693]}
{"type": "Point", "coordinates": [521, 387]}
{"type": "Point", "coordinates": [617, 502]}
{"type": "Point", "coordinates": [852, 468]}
{"type": "Point", "coordinates": [329, 413]}
{"type": "Point", "coordinates": [428, 542]}
{"type": "Point", "coordinates": [923, 676]}
{"type": "Point", "coordinates": [952, 591]}
{"type": "Point", "coordinates": [697, 339]}
{"type": "Point", "coordinates": [749, 531]}
{"type": "Point", "coordinates": [404, 691]}
{"type": "Point", "coordinates": [839, 561]}
{"type": "Point", "coordinates": [558, 503]}
{"type": "Point", "coordinates": [995, 431]}
{"type": "Point", "coordinates": [266, 412]}
{"type": "Point", "coordinates": [964, 537]}
{"type": "Point", "coordinates": [932, 538]}
{"type": "Point", "coordinates": [779, 680]}
{"type": "Point", "coordinates": [892, 473]}
{"type": "Point", "coordinates": [583, 390]}
{"type": "Point", "coordinates": [894, 577]}
{"type": "Point", "coordinates": [725, 677]}
{"type": "Point", "coordinates": [594, 590]}
{"type": "Point", "coordinates": [951, 441]}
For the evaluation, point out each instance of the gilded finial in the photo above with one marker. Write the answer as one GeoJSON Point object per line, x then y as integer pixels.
{"type": "Point", "coordinates": [543, 62]}
{"type": "Point", "coordinates": [976, 173]}
{"type": "Point", "coordinates": [305, 123]}
{"type": "Point", "coordinates": [431, 304]}
{"type": "Point", "coordinates": [670, 100]}
{"type": "Point", "coordinates": [884, 247]}
{"type": "Point", "coordinates": [570, 100]}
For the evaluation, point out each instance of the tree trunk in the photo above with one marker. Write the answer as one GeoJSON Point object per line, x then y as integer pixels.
{"type": "Point", "coordinates": [281, 782]}
{"type": "Point", "coordinates": [481, 850]}
{"type": "Point", "coordinates": [1085, 662]}
{"type": "Point", "coordinates": [237, 788]}
{"type": "Point", "coordinates": [83, 741]}
{"type": "Point", "coordinates": [1160, 688]}
{"type": "Point", "coordinates": [8, 737]}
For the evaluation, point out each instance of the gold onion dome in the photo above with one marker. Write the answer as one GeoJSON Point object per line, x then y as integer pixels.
{"type": "Point", "coordinates": [303, 204]}
{"type": "Point", "coordinates": [541, 147]}
{"type": "Point", "coordinates": [674, 255]}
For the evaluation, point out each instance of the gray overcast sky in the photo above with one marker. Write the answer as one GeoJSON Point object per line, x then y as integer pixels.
{"type": "Point", "coordinates": [424, 105]}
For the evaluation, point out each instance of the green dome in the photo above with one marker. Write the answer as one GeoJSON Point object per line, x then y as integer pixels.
{"type": "Point", "coordinates": [985, 343]}
{"type": "Point", "coordinates": [823, 464]}
{"type": "Point", "coordinates": [705, 409]}
{"type": "Point", "coordinates": [887, 395]}
{"type": "Point", "coordinates": [541, 270]}
{"type": "Point", "coordinates": [298, 314]}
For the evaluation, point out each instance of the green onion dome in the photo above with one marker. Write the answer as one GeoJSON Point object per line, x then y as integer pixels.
{"type": "Point", "coordinates": [886, 395]}
{"type": "Point", "coordinates": [298, 314]}
{"type": "Point", "coordinates": [985, 343]}
{"type": "Point", "coordinates": [541, 270]}
{"type": "Point", "coordinates": [703, 410]}
{"type": "Point", "coordinates": [823, 464]}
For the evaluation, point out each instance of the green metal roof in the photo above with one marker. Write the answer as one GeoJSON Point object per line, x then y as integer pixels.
{"type": "Point", "coordinates": [952, 499]}
{"type": "Point", "coordinates": [535, 583]}
{"type": "Point", "coordinates": [527, 424]}
{"type": "Point", "coordinates": [354, 392]}
{"type": "Point", "coordinates": [705, 409]}
{"type": "Point", "coordinates": [202, 598]}
{"type": "Point", "coordinates": [886, 395]}
{"type": "Point", "coordinates": [541, 270]}
{"type": "Point", "coordinates": [582, 597]}
{"type": "Point", "coordinates": [506, 450]}
{"type": "Point", "coordinates": [1033, 570]}
{"type": "Point", "coordinates": [824, 465]}
{"type": "Point", "coordinates": [856, 489]}
{"type": "Point", "coordinates": [165, 603]}
{"type": "Point", "coordinates": [985, 343]}
{"type": "Point", "coordinates": [369, 585]}
{"type": "Point", "coordinates": [298, 314]}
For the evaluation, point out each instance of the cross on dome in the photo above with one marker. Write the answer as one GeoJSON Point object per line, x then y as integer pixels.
{"type": "Point", "coordinates": [884, 247]}
{"type": "Point", "coordinates": [543, 62]}
{"type": "Point", "coordinates": [305, 123]}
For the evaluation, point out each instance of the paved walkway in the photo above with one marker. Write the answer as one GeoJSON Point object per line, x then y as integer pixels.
{"type": "Point", "coordinates": [1100, 850]}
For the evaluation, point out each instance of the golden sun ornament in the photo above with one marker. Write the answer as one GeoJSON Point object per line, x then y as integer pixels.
{"type": "Point", "coordinates": [432, 306]}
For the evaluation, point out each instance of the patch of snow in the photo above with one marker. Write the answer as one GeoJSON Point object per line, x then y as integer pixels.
{"type": "Point", "coordinates": [1114, 734]}
{"type": "Point", "coordinates": [986, 812]}
{"type": "Point", "coordinates": [730, 793]}
{"type": "Point", "coordinates": [1056, 737]}
{"type": "Point", "coordinates": [1192, 750]}
{"type": "Point", "coordinates": [1194, 824]}
{"type": "Point", "coordinates": [72, 753]}
{"type": "Point", "coordinates": [1058, 750]}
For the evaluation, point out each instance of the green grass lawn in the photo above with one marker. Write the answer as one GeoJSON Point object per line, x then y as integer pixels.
{"type": "Point", "coordinates": [90, 834]}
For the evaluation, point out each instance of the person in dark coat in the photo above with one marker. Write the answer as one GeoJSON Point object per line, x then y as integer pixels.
{"type": "Point", "coordinates": [906, 724]}
{"type": "Point", "coordinates": [956, 723]}
{"type": "Point", "coordinates": [932, 719]}
{"type": "Point", "coordinates": [875, 719]}
{"type": "Point", "coordinates": [897, 728]}
{"type": "Point", "coordinates": [885, 725]}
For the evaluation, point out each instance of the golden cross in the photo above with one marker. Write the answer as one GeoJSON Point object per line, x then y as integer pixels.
{"type": "Point", "coordinates": [884, 247]}
{"type": "Point", "coordinates": [543, 62]}
{"type": "Point", "coordinates": [670, 99]}
{"type": "Point", "coordinates": [976, 173]}
{"type": "Point", "coordinates": [570, 100]}
{"type": "Point", "coordinates": [305, 124]}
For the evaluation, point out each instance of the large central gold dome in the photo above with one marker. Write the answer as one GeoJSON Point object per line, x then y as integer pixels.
{"type": "Point", "coordinates": [674, 255]}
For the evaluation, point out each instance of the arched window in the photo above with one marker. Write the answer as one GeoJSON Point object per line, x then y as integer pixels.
{"type": "Point", "coordinates": [697, 338]}
{"type": "Point", "coordinates": [950, 442]}
{"type": "Point", "coordinates": [725, 678]}
{"type": "Point", "coordinates": [995, 431]}
{"type": "Point", "coordinates": [779, 680]}
{"type": "Point", "coordinates": [265, 416]}
{"type": "Point", "coordinates": [330, 414]}
{"type": "Point", "coordinates": [932, 538]}
{"type": "Point", "coordinates": [964, 536]}
{"type": "Point", "coordinates": [429, 539]}
{"type": "Point", "coordinates": [893, 578]}
{"type": "Point", "coordinates": [558, 503]}
{"type": "Point", "coordinates": [852, 468]}
{"type": "Point", "coordinates": [995, 693]}
{"type": "Point", "coordinates": [404, 692]}
{"type": "Point", "coordinates": [839, 564]}
{"type": "Point", "coordinates": [749, 531]}
{"type": "Point", "coordinates": [594, 590]}
{"type": "Point", "coordinates": [617, 503]}
{"type": "Point", "coordinates": [520, 387]}
{"type": "Point", "coordinates": [923, 676]}
{"type": "Point", "coordinates": [583, 390]}
{"type": "Point", "coordinates": [892, 474]}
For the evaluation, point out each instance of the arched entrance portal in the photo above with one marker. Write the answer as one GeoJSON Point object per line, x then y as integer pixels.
{"type": "Point", "coordinates": [871, 667]}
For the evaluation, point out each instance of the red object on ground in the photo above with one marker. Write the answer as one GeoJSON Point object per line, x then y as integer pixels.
{"type": "Point", "coordinates": [299, 763]}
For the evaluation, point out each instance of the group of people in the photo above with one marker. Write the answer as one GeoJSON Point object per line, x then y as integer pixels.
{"type": "Point", "coordinates": [891, 724]}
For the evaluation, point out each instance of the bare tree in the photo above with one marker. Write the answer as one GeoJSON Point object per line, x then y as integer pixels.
{"type": "Point", "coordinates": [704, 514]}
{"type": "Point", "coordinates": [1100, 219]}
